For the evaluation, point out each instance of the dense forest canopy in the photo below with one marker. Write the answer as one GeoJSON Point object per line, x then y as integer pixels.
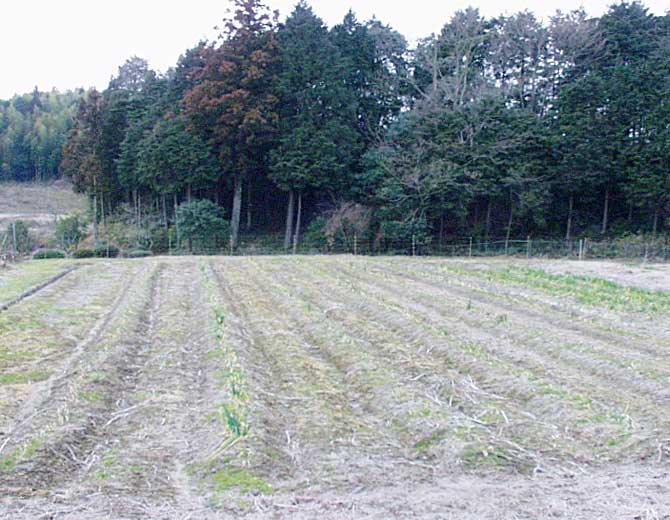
{"type": "Point", "coordinates": [494, 126]}
{"type": "Point", "coordinates": [33, 130]}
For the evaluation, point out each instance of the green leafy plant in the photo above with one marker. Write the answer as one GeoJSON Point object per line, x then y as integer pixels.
{"type": "Point", "coordinates": [83, 253]}
{"type": "Point", "coordinates": [104, 250]}
{"type": "Point", "coordinates": [69, 232]}
{"type": "Point", "coordinates": [18, 235]}
{"type": "Point", "coordinates": [48, 254]}
{"type": "Point", "coordinates": [202, 224]}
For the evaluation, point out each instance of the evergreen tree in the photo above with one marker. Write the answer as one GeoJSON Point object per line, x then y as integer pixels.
{"type": "Point", "coordinates": [316, 138]}
{"type": "Point", "coordinates": [233, 103]}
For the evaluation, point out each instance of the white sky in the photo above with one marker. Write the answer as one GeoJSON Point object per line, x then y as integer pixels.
{"type": "Point", "coordinates": [81, 43]}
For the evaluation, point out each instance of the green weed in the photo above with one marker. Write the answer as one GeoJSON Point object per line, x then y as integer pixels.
{"type": "Point", "coordinates": [587, 290]}
{"type": "Point", "coordinates": [21, 378]}
{"type": "Point", "coordinates": [239, 478]}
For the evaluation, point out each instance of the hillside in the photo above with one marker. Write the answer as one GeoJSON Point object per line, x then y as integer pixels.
{"type": "Point", "coordinates": [38, 204]}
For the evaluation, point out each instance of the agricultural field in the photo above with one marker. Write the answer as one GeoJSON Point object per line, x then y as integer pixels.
{"type": "Point", "coordinates": [334, 387]}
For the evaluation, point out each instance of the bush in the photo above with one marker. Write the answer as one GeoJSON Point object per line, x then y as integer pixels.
{"type": "Point", "coordinates": [339, 228]}
{"type": "Point", "coordinates": [202, 224]}
{"type": "Point", "coordinates": [136, 253]}
{"type": "Point", "coordinates": [315, 234]}
{"type": "Point", "coordinates": [83, 253]}
{"type": "Point", "coordinates": [24, 240]}
{"type": "Point", "coordinates": [400, 235]}
{"type": "Point", "coordinates": [160, 242]}
{"type": "Point", "coordinates": [104, 250]}
{"type": "Point", "coordinates": [101, 250]}
{"type": "Point", "coordinates": [69, 232]}
{"type": "Point", "coordinates": [48, 254]}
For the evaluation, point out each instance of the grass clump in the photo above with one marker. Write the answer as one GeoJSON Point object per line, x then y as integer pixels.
{"type": "Point", "coordinates": [478, 456]}
{"type": "Point", "coordinates": [8, 462]}
{"type": "Point", "coordinates": [240, 478]}
{"type": "Point", "coordinates": [21, 378]}
{"type": "Point", "coordinates": [90, 396]}
{"type": "Point", "coordinates": [434, 438]}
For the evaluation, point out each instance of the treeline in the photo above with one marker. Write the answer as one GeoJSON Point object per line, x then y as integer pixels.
{"type": "Point", "coordinates": [33, 129]}
{"type": "Point", "coordinates": [501, 126]}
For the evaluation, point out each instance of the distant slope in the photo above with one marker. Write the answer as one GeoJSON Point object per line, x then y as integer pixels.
{"type": "Point", "coordinates": [38, 204]}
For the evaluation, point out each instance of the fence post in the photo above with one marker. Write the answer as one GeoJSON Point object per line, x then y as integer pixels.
{"type": "Point", "coordinates": [413, 245]}
{"type": "Point", "coordinates": [528, 247]}
{"type": "Point", "coordinates": [470, 249]}
{"type": "Point", "coordinates": [355, 244]}
{"type": "Point", "coordinates": [581, 248]}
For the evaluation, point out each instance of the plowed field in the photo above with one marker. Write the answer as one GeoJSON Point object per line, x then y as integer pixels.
{"type": "Point", "coordinates": [333, 387]}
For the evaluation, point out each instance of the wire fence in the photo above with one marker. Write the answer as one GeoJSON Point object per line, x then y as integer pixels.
{"type": "Point", "coordinates": [656, 250]}
{"type": "Point", "coordinates": [634, 248]}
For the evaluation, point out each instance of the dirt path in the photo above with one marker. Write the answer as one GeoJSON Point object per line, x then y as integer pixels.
{"type": "Point", "coordinates": [329, 387]}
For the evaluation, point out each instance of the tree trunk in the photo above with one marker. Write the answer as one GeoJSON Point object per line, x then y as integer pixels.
{"type": "Point", "coordinates": [165, 216]}
{"type": "Point", "coordinates": [248, 223]}
{"type": "Point", "coordinates": [289, 220]}
{"type": "Point", "coordinates": [568, 232]}
{"type": "Point", "coordinates": [298, 219]}
{"type": "Point", "coordinates": [630, 215]}
{"type": "Point", "coordinates": [237, 207]}
{"type": "Point", "coordinates": [102, 213]}
{"type": "Point", "coordinates": [135, 206]}
{"type": "Point", "coordinates": [434, 69]}
{"type": "Point", "coordinates": [509, 222]}
{"type": "Point", "coordinates": [606, 211]}
{"type": "Point", "coordinates": [176, 220]}
{"type": "Point", "coordinates": [655, 223]}
{"type": "Point", "coordinates": [188, 192]}
{"type": "Point", "coordinates": [95, 217]}
{"type": "Point", "coordinates": [441, 241]}
{"type": "Point", "coordinates": [488, 218]}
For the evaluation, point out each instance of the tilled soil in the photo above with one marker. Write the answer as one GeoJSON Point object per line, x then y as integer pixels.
{"type": "Point", "coordinates": [335, 387]}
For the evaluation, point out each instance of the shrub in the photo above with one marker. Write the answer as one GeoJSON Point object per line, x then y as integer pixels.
{"type": "Point", "coordinates": [104, 250]}
{"type": "Point", "coordinates": [136, 253]}
{"type": "Point", "coordinates": [48, 254]}
{"type": "Point", "coordinates": [69, 232]}
{"type": "Point", "coordinates": [337, 229]}
{"type": "Point", "coordinates": [202, 224]}
{"type": "Point", "coordinates": [18, 230]}
{"type": "Point", "coordinates": [83, 253]}
{"type": "Point", "coordinates": [160, 242]}
{"type": "Point", "coordinates": [315, 234]}
{"type": "Point", "coordinates": [400, 235]}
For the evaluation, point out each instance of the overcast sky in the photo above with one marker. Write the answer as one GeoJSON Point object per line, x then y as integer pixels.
{"type": "Point", "coordinates": [81, 43]}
